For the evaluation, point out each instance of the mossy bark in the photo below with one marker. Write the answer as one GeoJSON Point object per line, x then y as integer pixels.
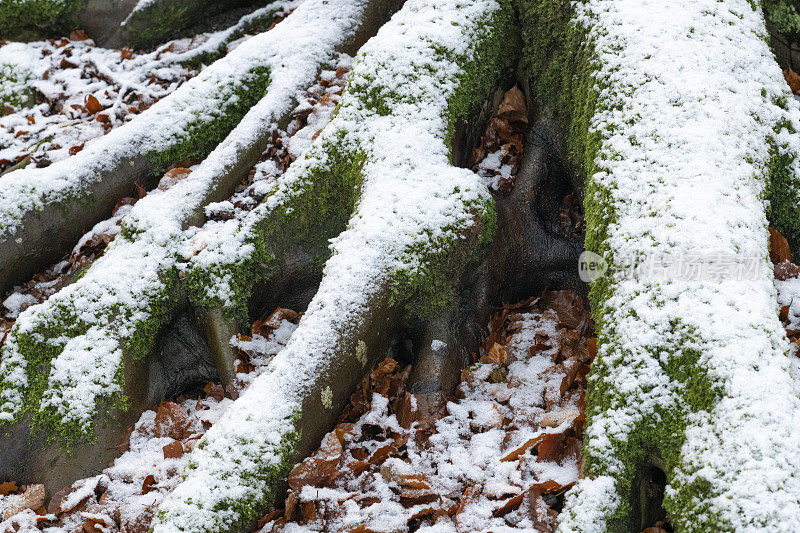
{"type": "Point", "coordinates": [135, 313]}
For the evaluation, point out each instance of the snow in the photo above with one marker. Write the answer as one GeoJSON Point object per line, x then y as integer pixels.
{"type": "Point", "coordinates": [202, 99]}
{"type": "Point", "coordinates": [406, 64]}
{"type": "Point", "coordinates": [683, 161]}
{"type": "Point", "coordinates": [124, 288]}
{"type": "Point", "coordinates": [123, 497]}
{"type": "Point", "coordinates": [465, 450]}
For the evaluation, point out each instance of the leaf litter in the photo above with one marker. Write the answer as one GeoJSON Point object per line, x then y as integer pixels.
{"type": "Point", "coordinates": [499, 455]}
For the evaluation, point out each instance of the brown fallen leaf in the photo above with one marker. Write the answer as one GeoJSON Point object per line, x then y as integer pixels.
{"type": "Point", "coordinates": [513, 107]}
{"type": "Point", "coordinates": [496, 354]}
{"type": "Point", "coordinates": [784, 313]}
{"type": "Point", "coordinates": [126, 53]}
{"type": "Point", "coordinates": [409, 497]}
{"type": "Point", "coordinates": [320, 469]}
{"type": "Point", "coordinates": [792, 79]}
{"type": "Point", "coordinates": [511, 504]}
{"type": "Point", "coordinates": [786, 270]}
{"type": "Point", "coordinates": [173, 176]}
{"type": "Point", "coordinates": [92, 104]}
{"type": "Point", "coordinates": [173, 450]}
{"type": "Point", "coordinates": [148, 483]}
{"type": "Point", "coordinates": [32, 498]}
{"type": "Point", "coordinates": [269, 517]}
{"type": "Point", "coordinates": [591, 343]}
{"type": "Point", "coordinates": [550, 486]}
{"type": "Point", "coordinates": [517, 452]}
{"type": "Point", "coordinates": [778, 247]}
{"type": "Point", "coordinates": [75, 149]}
{"type": "Point", "coordinates": [214, 390]}
{"type": "Point", "coordinates": [78, 35]}
{"type": "Point", "coordinates": [171, 421]}
{"type": "Point", "coordinates": [7, 487]}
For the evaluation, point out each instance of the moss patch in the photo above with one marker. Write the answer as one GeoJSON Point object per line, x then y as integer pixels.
{"type": "Point", "coordinates": [202, 136]}
{"type": "Point", "coordinates": [315, 209]}
{"type": "Point", "coordinates": [48, 339]}
{"type": "Point", "coordinates": [32, 19]}
{"type": "Point", "coordinates": [785, 15]}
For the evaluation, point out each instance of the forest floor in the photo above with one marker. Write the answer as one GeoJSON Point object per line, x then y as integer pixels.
{"type": "Point", "coordinates": [498, 456]}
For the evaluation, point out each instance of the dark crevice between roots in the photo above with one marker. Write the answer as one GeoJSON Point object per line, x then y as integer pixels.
{"type": "Point", "coordinates": [530, 253]}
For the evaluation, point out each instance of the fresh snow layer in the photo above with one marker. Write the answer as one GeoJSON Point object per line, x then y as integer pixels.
{"type": "Point", "coordinates": [414, 62]}
{"type": "Point", "coordinates": [683, 162]}
{"type": "Point", "coordinates": [130, 275]}
{"type": "Point", "coordinates": [199, 101]}
{"type": "Point", "coordinates": [465, 450]}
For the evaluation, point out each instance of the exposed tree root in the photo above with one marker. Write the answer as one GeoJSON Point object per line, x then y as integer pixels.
{"type": "Point", "coordinates": [39, 207]}
{"type": "Point", "coordinates": [691, 367]}
{"type": "Point", "coordinates": [79, 362]}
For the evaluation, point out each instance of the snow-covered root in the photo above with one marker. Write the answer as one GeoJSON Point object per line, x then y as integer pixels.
{"type": "Point", "coordinates": [39, 207]}
{"type": "Point", "coordinates": [79, 361]}
{"type": "Point", "coordinates": [692, 374]}
{"type": "Point", "coordinates": [419, 221]}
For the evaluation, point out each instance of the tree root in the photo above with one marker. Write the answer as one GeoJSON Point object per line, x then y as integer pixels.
{"type": "Point", "coordinates": [691, 368]}
{"type": "Point", "coordinates": [373, 277]}
{"type": "Point", "coordinates": [85, 359]}
{"type": "Point", "coordinates": [39, 207]}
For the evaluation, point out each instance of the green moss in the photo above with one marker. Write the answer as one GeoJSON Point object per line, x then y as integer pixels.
{"type": "Point", "coordinates": [561, 64]}
{"type": "Point", "coordinates": [15, 87]}
{"type": "Point", "coordinates": [315, 209]}
{"type": "Point", "coordinates": [242, 513]}
{"type": "Point", "coordinates": [201, 137]}
{"type": "Point", "coordinates": [783, 192]}
{"type": "Point", "coordinates": [785, 15]}
{"type": "Point", "coordinates": [47, 340]}
{"type": "Point", "coordinates": [33, 19]}
{"type": "Point", "coordinates": [163, 20]}
{"type": "Point", "coordinates": [429, 288]}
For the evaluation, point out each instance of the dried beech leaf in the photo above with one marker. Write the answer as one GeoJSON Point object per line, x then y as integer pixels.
{"type": "Point", "coordinates": [778, 247]}
{"type": "Point", "coordinates": [92, 104]}
{"type": "Point", "coordinates": [173, 450]}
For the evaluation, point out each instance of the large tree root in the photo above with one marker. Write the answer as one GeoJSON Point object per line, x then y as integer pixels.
{"type": "Point", "coordinates": [39, 207]}
{"type": "Point", "coordinates": [692, 371]}
{"type": "Point", "coordinates": [395, 130]}
{"type": "Point", "coordinates": [76, 367]}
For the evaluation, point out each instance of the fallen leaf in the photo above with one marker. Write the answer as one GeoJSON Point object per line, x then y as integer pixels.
{"type": "Point", "coordinates": [75, 149]}
{"type": "Point", "coordinates": [173, 176]}
{"type": "Point", "coordinates": [320, 469]}
{"type": "Point", "coordinates": [173, 450]}
{"type": "Point", "coordinates": [591, 343]}
{"type": "Point", "coordinates": [78, 35]}
{"type": "Point", "coordinates": [171, 421]}
{"type": "Point", "coordinates": [148, 483]}
{"type": "Point", "coordinates": [550, 486]}
{"type": "Point", "coordinates": [517, 452]}
{"type": "Point", "coordinates": [512, 504]}
{"type": "Point", "coordinates": [214, 390]}
{"type": "Point", "coordinates": [32, 498]}
{"type": "Point", "coordinates": [778, 247]}
{"type": "Point", "coordinates": [92, 104]}
{"type": "Point", "coordinates": [786, 270]}
{"type": "Point", "coordinates": [496, 354]}
{"type": "Point", "coordinates": [269, 517]}
{"type": "Point", "coordinates": [126, 53]}
{"type": "Point", "coordinates": [792, 79]}
{"type": "Point", "coordinates": [7, 487]}
{"type": "Point", "coordinates": [513, 107]}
